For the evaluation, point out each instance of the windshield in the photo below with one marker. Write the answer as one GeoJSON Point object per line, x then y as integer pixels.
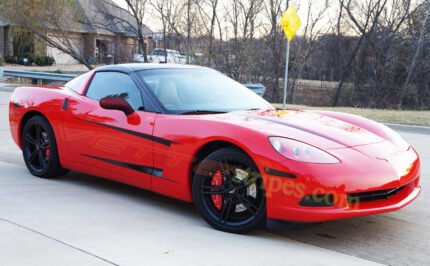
{"type": "Point", "coordinates": [188, 90]}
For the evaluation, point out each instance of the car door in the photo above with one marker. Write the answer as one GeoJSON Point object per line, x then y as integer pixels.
{"type": "Point", "coordinates": [109, 143]}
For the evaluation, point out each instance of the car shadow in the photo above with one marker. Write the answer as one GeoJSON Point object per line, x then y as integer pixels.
{"type": "Point", "coordinates": [127, 191]}
{"type": "Point", "coordinates": [336, 229]}
{"type": "Point", "coordinates": [303, 232]}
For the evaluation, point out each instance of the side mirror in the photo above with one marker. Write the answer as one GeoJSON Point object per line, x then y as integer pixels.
{"type": "Point", "coordinates": [116, 103]}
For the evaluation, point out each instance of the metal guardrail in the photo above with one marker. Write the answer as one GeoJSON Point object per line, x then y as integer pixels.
{"type": "Point", "coordinates": [38, 76]}
{"type": "Point", "coordinates": [258, 88]}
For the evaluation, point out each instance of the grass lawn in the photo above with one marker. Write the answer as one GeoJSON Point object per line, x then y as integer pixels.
{"type": "Point", "coordinates": [420, 118]}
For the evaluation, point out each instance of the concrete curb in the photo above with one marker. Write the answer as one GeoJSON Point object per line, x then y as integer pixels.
{"type": "Point", "coordinates": [409, 128]}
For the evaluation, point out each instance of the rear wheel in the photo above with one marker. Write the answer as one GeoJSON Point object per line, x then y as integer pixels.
{"type": "Point", "coordinates": [39, 148]}
{"type": "Point", "coordinates": [228, 191]}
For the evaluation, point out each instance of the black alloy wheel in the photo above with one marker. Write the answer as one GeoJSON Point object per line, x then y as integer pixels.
{"type": "Point", "coordinates": [39, 148]}
{"type": "Point", "coordinates": [228, 191]}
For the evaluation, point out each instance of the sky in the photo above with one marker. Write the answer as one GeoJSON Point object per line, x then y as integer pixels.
{"type": "Point", "coordinates": [324, 24]}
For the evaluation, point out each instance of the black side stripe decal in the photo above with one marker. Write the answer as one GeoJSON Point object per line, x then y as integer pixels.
{"type": "Point", "coordinates": [157, 172]}
{"type": "Point", "coordinates": [134, 133]}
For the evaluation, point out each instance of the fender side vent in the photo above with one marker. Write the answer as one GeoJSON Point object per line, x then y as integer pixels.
{"type": "Point", "coordinates": [65, 104]}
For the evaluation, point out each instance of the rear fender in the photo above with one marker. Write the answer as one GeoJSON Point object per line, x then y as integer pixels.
{"type": "Point", "coordinates": [28, 101]}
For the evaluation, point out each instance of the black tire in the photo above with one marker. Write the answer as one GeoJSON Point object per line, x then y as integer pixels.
{"type": "Point", "coordinates": [228, 191]}
{"type": "Point", "coordinates": [39, 149]}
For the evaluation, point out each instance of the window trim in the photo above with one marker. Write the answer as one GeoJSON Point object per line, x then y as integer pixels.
{"type": "Point", "coordinates": [85, 77]}
{"type": "Point", "coordinates": [84, 92]}
{"type": "Point", "coordinates": [150, 101]}
{"type": "Point", "coordinates": [151, 94]}
{"type": "Point", "coordinates": [121, 72]}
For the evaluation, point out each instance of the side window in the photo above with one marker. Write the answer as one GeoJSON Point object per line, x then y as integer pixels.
{"type": "Point", "coordinates": [76, 83]}
{"type": "Point", "coordinates": [115, 84]}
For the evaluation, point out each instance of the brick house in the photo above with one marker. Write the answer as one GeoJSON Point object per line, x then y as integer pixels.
{"type": "Point", "coordinates": [96, 35]}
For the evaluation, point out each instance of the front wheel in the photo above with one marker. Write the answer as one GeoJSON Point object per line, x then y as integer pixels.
{"type": "Point", "coordinates": [39, 148]}
{"type": "Point", "coordinates": [228, 191]}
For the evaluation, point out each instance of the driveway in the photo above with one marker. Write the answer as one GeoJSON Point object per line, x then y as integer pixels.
{"type": "Point", "coordinates": [84, 220]}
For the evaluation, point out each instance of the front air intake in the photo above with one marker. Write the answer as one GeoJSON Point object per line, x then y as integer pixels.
{"type": "Point", "coordinates": [373, 195]}
{"type": "Point", "coordinates": [317, 200]}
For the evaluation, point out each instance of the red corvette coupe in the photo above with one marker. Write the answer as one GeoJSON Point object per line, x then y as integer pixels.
{"type": "Point", "coordinates": [193, 134]}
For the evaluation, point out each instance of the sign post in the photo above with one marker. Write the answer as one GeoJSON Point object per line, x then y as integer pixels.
{"type": "Point", "coordinates": [290, 23]}
{"type": "Point", "coordinates": [287, 59]}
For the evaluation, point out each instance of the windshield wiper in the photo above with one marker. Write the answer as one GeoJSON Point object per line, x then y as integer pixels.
{"type": "Point", "coordinates": [201, 112]}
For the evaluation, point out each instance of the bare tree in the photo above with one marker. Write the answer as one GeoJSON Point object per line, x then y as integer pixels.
{"type": "Point", "coordinates": [309, 41]}
{"type": "Point", "coordinates": [375, 52]}
{"type": "Point", "coordinates": [371, 11]}
{"type": "Point", "coordinates": [160, 8]}
{"type": "Point", "coordinates": [52, 22]}
{"type": "Point", "coordinates": [170, 14]}
{"type": "Point", "coordinates": [131, 19]}
{"type": "Point", "coordinates": [249, 10]}
{"type": "Point", "coordinates": [274, 10]}
{"type": "Point", "coordinates": [138, 10]}
{"type": "Point", "coordinates": [383, 41]}
{"type": "Point", "coordinates": [418, 49]}
{"type": "Point", "coordinates": [189, 26]}
{"type": "Point", "coordinates": [208, 11]}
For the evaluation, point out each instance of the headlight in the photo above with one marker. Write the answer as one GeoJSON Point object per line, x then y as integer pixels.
{"type": "Point", "coordinates": [395, 138]}
{"type": "Point", "coordinates": [299, 151]}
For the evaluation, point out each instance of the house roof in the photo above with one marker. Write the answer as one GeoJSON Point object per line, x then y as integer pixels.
{"type": "Point", "coordinates": [106, 17]}
{"type": "Point", "coordinates": [99, 17]}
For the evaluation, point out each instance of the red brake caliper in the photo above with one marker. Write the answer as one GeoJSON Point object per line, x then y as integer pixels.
{"type": "Point", "coordinates": [47, 151]}
{"type": "Point", "coordinates": [217, 181]}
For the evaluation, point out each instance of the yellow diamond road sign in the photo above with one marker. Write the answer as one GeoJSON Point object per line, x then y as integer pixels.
{"type": "Point", "coordinates": [290, 22]}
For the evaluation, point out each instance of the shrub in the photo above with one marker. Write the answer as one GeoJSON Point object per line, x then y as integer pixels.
{"type": "Point", "coordinates": [1, 61]}
{"type": "Point", "coordinates": [43, 60]}
{"type": "Point", "coordinates": [40, 60]}
{"type": "Point", "coordinates": [11, 59]}
{"type": "Point", "coordinates": [20, 60]}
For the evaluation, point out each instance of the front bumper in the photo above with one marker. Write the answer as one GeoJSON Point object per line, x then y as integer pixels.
{"type": "Point", "coordinates": [355, 175]}
{"type": "Point", "coordinates": [319, 214]}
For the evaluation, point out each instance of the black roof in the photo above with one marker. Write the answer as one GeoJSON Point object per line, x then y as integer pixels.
{"type": "Point", "coordinates": [127, 68]}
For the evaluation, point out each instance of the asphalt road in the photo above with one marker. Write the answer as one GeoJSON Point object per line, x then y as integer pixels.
{"type": "Point", "coordinates": [84, 220]}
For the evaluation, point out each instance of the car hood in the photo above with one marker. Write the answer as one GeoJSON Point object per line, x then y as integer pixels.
{"type": "Point", "coordinates": [306, 126]}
